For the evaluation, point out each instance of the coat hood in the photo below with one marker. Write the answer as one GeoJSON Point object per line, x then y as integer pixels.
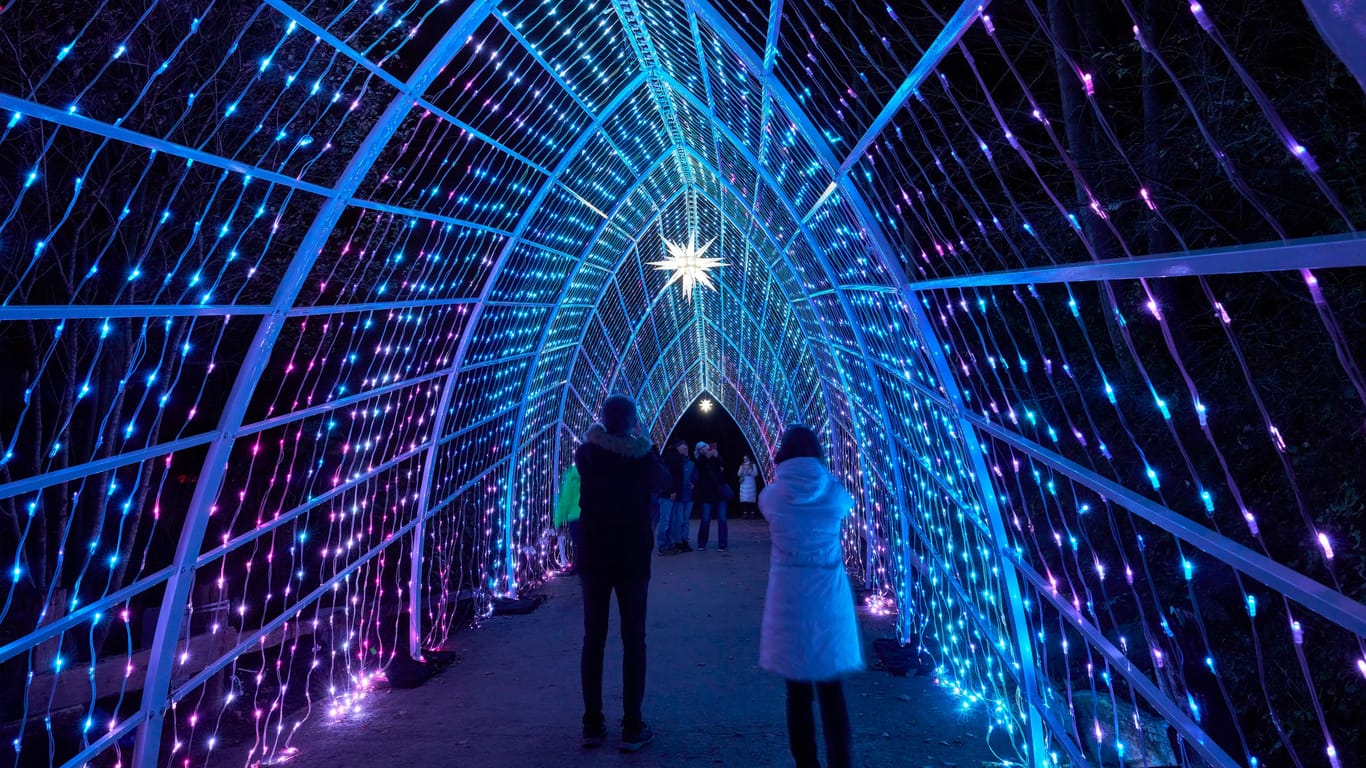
{"type": "Point", "coordinates": [630, 446]}
{"type": "Point", "coordinates": [805, 482]}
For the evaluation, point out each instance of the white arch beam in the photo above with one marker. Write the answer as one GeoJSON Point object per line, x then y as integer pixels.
{"type": "Point", "coordinates": [886, 255]}
{"type": "Point", "coordinates": [147, 748]}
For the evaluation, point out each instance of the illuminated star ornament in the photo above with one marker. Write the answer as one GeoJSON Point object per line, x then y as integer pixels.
{"type": "Point", "coordinates": [705, 405]}
{"type": "Point", "coordinates": [689, 265]}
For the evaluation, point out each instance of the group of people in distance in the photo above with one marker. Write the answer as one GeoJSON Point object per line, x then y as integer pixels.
{"type": "Point", "coordinates": [808, 635]}
{"type": "Point", "coordinates": [699, 479]}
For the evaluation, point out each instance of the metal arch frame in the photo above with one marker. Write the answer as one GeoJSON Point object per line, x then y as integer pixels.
{"type": "Point", "coordinates": [743, 307]}
{"type": "Point", "coordinates": [746, 364]}
{"type": "Point", "coordinates": [663, 351]}
{"type": "Point", "coordinates": [630, 344]}
{"type": "Point", "coordinates": [659, 296]}
{"type": "Point", "coordinates": [885, 254]}
{"type": "Point", "coordinates": [749, 402]}
{"type": "Point", "coordinates": [716, 146]}
{"type": "Point", "coordinates": [244, 169]}
{"type": "Point", "coordinates": [276, 312]}
{"type": "Point", "coordinates": [672, 152]}
{"type": "Point", "coordinates": [1328, 252]}
{"type": "Point", "coordinates": [1344, 253]}
{"type": "Point", "coordinates": [784, 256]}
{"type": "Point", "coordinates": [680, 333]}
{"type": "Point", "coordinates": [763, 176]}
{"type": "Point", "coordinates": [782, 251]}
{"type": "Point", "coordinates": [633, 24]}
{"type": "Point", "coordinates": [674, 385]}
{"type": "Point", "coordinates": [462, 348]}
{"type": "Point", "coordinates": [608, 221]}
{"type": "Point", "coordinates": [952, 31]}
{"type": "Point", "coordinates": [147, 748]}
{"type": "Point", "coordinates": [579, 263]}
{"type": "Point", "coordinates": [668, 153]}
{"type": "Point", "coordinates": [696, 323]}
{"type": "Point", "coordinates": [789, 385]}
{"type": "Point", "coordinates": [643, 47]}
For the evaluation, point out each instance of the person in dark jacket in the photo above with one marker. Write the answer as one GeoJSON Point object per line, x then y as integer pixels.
{"type": "Point", "coordinates": [676, 509]}
{"type": "Point", "coordinates": [710, 496]}
{"type": "Point", "coordinates": [619, 469]}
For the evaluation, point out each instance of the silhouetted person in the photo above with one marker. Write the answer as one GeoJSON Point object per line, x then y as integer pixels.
{"type": "Point", "coordinates": [672, 534]}
{"type": "Point", "coordinates": [809, 633]}
{"type": "Point", "coordinates": [710, 495]}
{"type": "Point", "coordinates": [618, 469]}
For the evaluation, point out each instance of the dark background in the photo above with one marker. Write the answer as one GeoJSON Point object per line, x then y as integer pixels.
{"type": "Point", "coordinates": [716, 426]}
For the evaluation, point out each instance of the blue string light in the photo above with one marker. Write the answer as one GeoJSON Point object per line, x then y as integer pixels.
{"type": "Point", "coordinates": [376, 266]}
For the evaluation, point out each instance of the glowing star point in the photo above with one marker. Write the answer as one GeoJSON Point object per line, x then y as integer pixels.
{"type": "Point", "coordinates": [689, 265]}
{"type": "Point", "coordinates": [704, 405]}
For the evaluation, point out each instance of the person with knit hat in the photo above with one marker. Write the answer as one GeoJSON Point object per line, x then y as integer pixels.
{"type": "Point", "coordinates": [710, 494]}
{"type": "Point", "coordinates": [619, 470]}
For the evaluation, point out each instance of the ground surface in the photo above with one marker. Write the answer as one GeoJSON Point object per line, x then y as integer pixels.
{"type": "Point", "coordinates": [513, 698]}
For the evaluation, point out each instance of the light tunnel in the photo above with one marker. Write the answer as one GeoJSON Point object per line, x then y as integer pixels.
{"type": "Point", "coordinates": [306, 305]}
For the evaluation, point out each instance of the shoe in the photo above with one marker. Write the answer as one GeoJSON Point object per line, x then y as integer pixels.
{"type": "Point", "coordinates": [702, 548]}
{"type": "Point", "coordinates": [635, 739]}
{"type": "Point", "coordinates": [720, 549]}
{"type": "Point", "coordinates": [669, 550]}
{"type": "Point", "coordinates": [594, 735]}
{"type": "Point", "coordinates": [684, 547]}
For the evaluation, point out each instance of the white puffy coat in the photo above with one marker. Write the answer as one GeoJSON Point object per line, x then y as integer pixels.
{"type": "Point", "coordinates": [748, 474]}
{"type": "Point", "coordinates": [809, 631]}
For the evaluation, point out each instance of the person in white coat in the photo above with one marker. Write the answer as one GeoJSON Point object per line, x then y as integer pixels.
{"type": "Point", "coordinates": [809, 635]}
{"type": "Point", "coordinates": [749, 483]}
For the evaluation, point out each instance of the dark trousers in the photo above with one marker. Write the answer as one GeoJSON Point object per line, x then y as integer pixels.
{"type": "Point", "coordinates": [573, 529]}
{"type": "Point", "coordinates": [801, 723]}
{"type": "Point", "coordinates": [597, 603]}
{"type": "Point", "coordinates": [704, 530]}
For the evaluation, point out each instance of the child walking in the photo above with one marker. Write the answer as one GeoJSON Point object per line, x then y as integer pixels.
{"type": "Point", "coordinates": [809, 634]}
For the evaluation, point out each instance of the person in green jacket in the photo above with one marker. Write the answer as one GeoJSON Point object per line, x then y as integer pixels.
{"type": "Point", "coordinates": [567, 517]}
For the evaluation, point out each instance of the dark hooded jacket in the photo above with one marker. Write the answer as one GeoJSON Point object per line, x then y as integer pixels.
{"type": "Point", "coordinates": [681, 469]}
{"type": "Point", "coordinates": [618, 474]}
{"type": "Point", "coordinates": [709, 480]}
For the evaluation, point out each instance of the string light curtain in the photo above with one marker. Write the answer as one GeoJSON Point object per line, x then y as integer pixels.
{"type": "Point", "coordinates": [306, 304]}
